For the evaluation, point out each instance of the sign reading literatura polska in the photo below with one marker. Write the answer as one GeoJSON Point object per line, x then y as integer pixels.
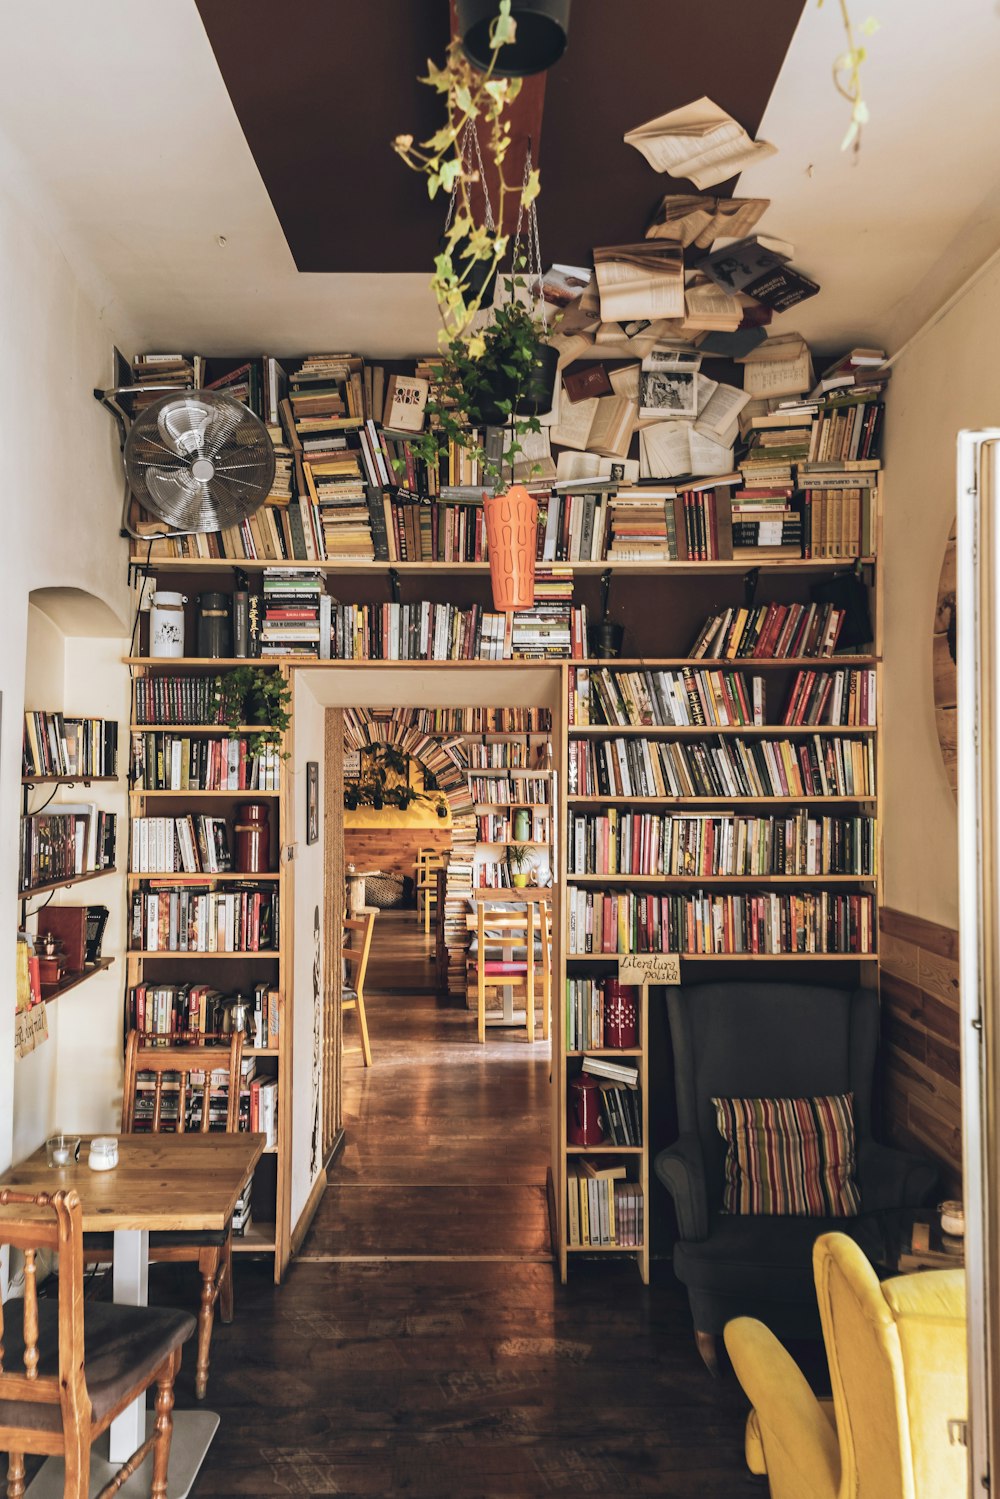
{"type": "Point", "coordinates": [649, 968]}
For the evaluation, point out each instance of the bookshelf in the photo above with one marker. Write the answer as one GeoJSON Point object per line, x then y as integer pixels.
{"type": "Point", "coordinates": [214, 908]}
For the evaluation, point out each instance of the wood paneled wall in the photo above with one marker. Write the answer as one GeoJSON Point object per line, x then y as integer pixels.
{"type": "Point", "coordinates": [394, 849]}
{"type": "Point", "coordinates": [920, 1032]}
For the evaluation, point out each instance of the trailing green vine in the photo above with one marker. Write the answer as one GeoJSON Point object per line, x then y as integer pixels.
{"type": "Point", "coordinates": [847, 75]}
{"type": "Point", "coordinates": [256, 695]}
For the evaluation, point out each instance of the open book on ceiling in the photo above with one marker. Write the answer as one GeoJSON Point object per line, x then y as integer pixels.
{"type": "Point", "coordinates": [699, 141]}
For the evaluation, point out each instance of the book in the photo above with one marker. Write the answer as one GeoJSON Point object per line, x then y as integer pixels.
{"type": "Point", "coordinates": [644, 280]}
{"type": "Point", "coordinates": [699, 219]}
{"type": "Point", "coordinates": [585, 379]}
{"type": "Point", "coordinates": [599, 424]}
{"type": "Point", "coordinates": [736, 266]}
{"type": "Point", "coordinates": [405, 402]}
{"type": "Point", "coordinates": [699, 141]}
{"type": "Point", "coordinates": [662, 394]}
{"type": "Point", "coordinates": [673, 449]}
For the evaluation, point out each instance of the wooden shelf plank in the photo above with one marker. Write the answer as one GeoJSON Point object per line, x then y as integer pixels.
{"type": "Point", "coordinates": [258, 1239]}
{"type": "Point", "coordinates": [619, 663]}
{"type": "Point", "coordinates": [174, 878]}
{"type": "Point", "coordinates": [724, 803]}
{"type": "Point", "coordinates": [66, 780]}
{"type": "Point", "coordinates": [605, 1149]}
{"type": "Point", "coordinates": [223, 730]}
{"type": "Point", "coordinates": [72, 980]}
{"type": "Point", "coordinates": [213, 957]}
{"type": "Point", "coordinates": [734, 957]}
{"type": "Point", "coordinates": [63, 884]}
{"type": "Point", "coordinates": [244, 795]}
{"type": "Point", "coordinates": [721, 879]}
{"type": "Point", "coordinates": [602, 1051]}
{"type": "Point", "coordinates": [649, 568]}
{"type": "Point", "coordinates": [704, 731]}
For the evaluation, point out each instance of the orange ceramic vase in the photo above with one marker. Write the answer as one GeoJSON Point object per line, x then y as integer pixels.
{"type": "Point", "coordinates": [511, 536]}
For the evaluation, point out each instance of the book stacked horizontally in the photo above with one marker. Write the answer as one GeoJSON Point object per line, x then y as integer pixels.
{"type": "Point", "coordinates": [176, 371]}
{"type": "Point", "coordinates": [328, 393]}
{"type": "Point", "coordinates": [643, 525]}
{"type": "Point", "coordinates": [337, 490]}
{"type": "Point", "coordinates": [293, 612]}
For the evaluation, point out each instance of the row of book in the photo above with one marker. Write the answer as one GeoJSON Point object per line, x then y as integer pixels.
{"type": "Point", "coordinates": [180, 845]}
{"type": "Point", "coordinates": [709, 846]}
{"type": "Point", "coordinates": [193, 920]}
{"type": "Point", "coordinates": [513, 791]}
{"type": "Point", "coordinates": [840, 522]}
{"type": "Point", "coordinates": [620, 1105]}
{"type": "Point", "coordinates": [846, 697]}
{"type": "Point", "coordinates": [181, 762]}
{"type": "Point", "coordinates": [669, 699]}
{"type": "Point", "coordinates": [160, 1103]}
{"type": "Point", "coordinates": [511, 754]}
{"type": "Point", "coordinates": [707, 922]}
{"type": "Point", "coordinates": [72, 839]}
{"type": "Point", "coordinates": [755, 769]}
{"type": "Point", "coordinates": [188, 1013]}
{"type": "Point", "coordinates": [179, 699]}
{"type": "Point", "coordinates": [691, 697]}
{"type": "Point", "coordinates": [601, 1209]}
{"type": "Point", "coordinates": [493, 874]}
{"type": "Point", "coordinates": [587, 1015]}
{"type": "Point", "coordinates": [769, 632]}
{"type": "Point", "coordinates": [444, 632]}
{"type": "Point", "coordinates": [483, 720]}
{"type": "Point", "coordinates": [57, 745]}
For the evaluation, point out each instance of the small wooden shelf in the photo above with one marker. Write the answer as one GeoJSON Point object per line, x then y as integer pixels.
{"type": "Point", "coordinates": [510, 770]}
{"type": "Point", "coordinates": [512, 843]}
{"type": "Point", "coordinates": [258, 1239]}
{"type": "Point", "coordinates": [705, 730]}
{"type": "Point", "coordinates": [243, 795]}
{"type": "Point", "coordinates": [65, 780]}
{"type": "Point", "coordinates": [599, 1248]}
{"type": "Point", "coordinates": [605, 1149]}
{"type": "Point", "coordinates": [723, 802]}
{"type": "Point", "coordinates": [537, 806]}
{"type": "Point", "coordinates": [606, 1051]}
{"type": "Point", "coordinates": [721, 663]}
{"type": "Point", "coordinates": [721, 879]}
{"type": "Point", "coordinates": [734, 957]}
{"type": "Point", "coordinates": [224, 663]}
{"type": "Point", "coordinates": [172, 877]}
{"type": "Point", "coordinates": [71, 980]}
{"type": "Point", "coordinates": [213, 957]}
{"type": "Point", "coordinates": [262, 1051]}
{"type": "Point", "coordinates": [73, 879]}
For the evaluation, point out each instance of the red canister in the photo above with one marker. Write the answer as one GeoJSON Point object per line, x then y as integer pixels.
{"type": "Point", "coordinates": [621, 1014]}
{"type": "Point", "coordinates": [583, 1111]}
{"type": "Point", "coordinates": [253, 839]}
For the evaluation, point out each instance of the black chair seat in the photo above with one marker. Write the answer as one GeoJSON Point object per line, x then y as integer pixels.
{"type": "Point", "coordinates": [124, 1346]}
{"type": "Point", "coordinates": [163, 1239]}
{"type": "Point", "coordinates": [749, 1256]}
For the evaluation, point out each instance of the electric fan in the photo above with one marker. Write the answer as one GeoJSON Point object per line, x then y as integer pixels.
{"type": "Point", "coordinates": [198, 461]}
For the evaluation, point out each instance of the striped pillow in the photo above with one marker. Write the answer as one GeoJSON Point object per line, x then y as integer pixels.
{"type": "Point", "coordinates": [789, 1156]}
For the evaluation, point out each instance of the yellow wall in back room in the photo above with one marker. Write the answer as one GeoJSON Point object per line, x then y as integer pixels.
{"type": "Point", "coordinates": [415, 816]}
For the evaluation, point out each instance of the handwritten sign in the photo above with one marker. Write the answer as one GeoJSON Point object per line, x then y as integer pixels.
{"type": "Point", "coordinates": [649, 968]}
{"type": "Point", "coordinates": [31, 1028]}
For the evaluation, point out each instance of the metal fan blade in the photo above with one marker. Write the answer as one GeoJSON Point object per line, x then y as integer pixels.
{"type": "Point", "coordinates": [181, 500]}
{"type": "Point", "coordinates": [183, 425]}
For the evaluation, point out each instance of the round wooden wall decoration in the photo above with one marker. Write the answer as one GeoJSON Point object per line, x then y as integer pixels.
{"type": "Point", "coordinates": [945, 671]}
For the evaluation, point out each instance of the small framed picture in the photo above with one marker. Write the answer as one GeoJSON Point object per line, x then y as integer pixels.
{"type": "Point", "coordinates": [312, 801]}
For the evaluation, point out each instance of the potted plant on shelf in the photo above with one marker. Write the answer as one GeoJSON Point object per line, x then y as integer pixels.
{"type": "Point", "coordinates": [519, 863]}
{"type": "Point", "coordinates": [257, 695]}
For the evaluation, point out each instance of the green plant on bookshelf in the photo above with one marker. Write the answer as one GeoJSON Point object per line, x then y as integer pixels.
{"type": "Point", "coordinates": [519, 862]}
{"type": "Point", "coordinates": [260, 696]}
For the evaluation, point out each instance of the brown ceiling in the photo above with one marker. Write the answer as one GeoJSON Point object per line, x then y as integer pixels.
{"type": "Point", "coordinates": [320, 87]}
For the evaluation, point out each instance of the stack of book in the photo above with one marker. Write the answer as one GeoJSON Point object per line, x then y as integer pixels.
{"type": "Point", "coordinates": [766, 524]}
{"type": "Point", "coordinates": [643, 525]}
{"type": "Point", "coordinates": [296, 610]}
{"type": "Point", "coordinates": [337, 490]}
{"type": "Point", "coordinates": [602, 1206]}
{"type": "Point", "coordinates": [75, 839]}
{"type": "Point", "coordinates": [178, 371]}
{"type": "Point", "coordinates": [327, 393]}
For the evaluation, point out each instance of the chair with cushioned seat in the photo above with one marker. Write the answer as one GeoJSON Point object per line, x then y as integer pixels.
{"type": "Point", "coordinates": [68, 1368]}
{"type": "Point", "coordinates": [897, 1353]}
{"type": "Point", "coordinates": [759, 1040]}
{"type": "Point", "coordinates": [512, 949]}
{"type": "Point", "coordinates": [212, 1252]}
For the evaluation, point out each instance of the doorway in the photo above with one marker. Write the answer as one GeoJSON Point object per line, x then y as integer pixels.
{"type": "Point", "coordinates": [447, 1143]}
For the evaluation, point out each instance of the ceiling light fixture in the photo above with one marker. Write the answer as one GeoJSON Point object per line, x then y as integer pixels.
{"type": "Point", "coordinates": [542, 28]}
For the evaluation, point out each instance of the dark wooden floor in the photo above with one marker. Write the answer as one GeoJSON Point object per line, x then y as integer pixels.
{"type": "Point", "coordinates": [421, 1344]}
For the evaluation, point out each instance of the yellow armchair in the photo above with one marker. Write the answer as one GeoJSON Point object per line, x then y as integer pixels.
{"type": "Point", "coordinates": [897, 1355]}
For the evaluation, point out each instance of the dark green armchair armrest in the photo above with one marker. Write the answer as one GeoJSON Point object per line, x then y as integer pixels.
{"type": "Point", "coordinates": [891, 1178]}
{"type": "Point", "coordinates": [681, 1169]}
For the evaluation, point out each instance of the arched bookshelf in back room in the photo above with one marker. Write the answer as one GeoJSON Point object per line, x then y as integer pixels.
{"type": "Point", "coordinates": [73, 666]}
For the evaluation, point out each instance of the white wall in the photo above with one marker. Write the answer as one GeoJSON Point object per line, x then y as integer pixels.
{"type": "Point", "coordinates": [62, 493]}
{"type": "Point", "coordinates": [308, 869]}
{"type": "Point", "coordinates": [948, 379]}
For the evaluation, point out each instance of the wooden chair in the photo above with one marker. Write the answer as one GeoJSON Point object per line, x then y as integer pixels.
{"type": "Point", "coordinates": [427, 864]}
{"type": "Point", "coordinates": [513, 931]}
{"type": "Point", "coordinates": [211, 1252]}
{"type": "Point", "coordinates": [82, 1365]}
{"type": "Point", "coordinates": [353, 996]}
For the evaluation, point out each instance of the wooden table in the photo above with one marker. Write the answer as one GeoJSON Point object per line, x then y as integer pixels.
{"type": "Point", "coordinates": [180, 1183]}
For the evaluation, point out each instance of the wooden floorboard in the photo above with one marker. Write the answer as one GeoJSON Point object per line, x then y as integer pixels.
{"type": "Point", "coordinates": [463, 1370]}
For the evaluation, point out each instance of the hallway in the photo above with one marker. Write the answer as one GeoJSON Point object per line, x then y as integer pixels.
{"type": "Point", "coordinates": [421, 1343]}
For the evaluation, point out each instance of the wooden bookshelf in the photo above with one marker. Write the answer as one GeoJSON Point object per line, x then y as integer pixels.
{"type": "Point", "coordinates": [346, 568]}
{"type": "Point", "coordinates": [64, 884]}
{"type": "Point", "coordinates": [269, 1233]}
{"type": "Point", "coordinates": [65, 780]}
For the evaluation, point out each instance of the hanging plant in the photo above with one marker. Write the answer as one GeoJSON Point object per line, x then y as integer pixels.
{"type": "Point", "coordinates": [387, 784]}
{"type": "Point", "coordinates": [256, 695]}
{"type": "Point", "coordinates": [847, 75]}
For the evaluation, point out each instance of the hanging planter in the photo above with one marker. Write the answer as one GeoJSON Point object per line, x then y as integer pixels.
{"type": "Point", "coordinates": [511, 538]}
{"type": "Point", "coordinates": [542, 30]}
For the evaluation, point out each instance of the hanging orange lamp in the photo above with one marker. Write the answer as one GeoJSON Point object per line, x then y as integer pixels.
{"type": "Point", "coordinates": [511, 538]}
